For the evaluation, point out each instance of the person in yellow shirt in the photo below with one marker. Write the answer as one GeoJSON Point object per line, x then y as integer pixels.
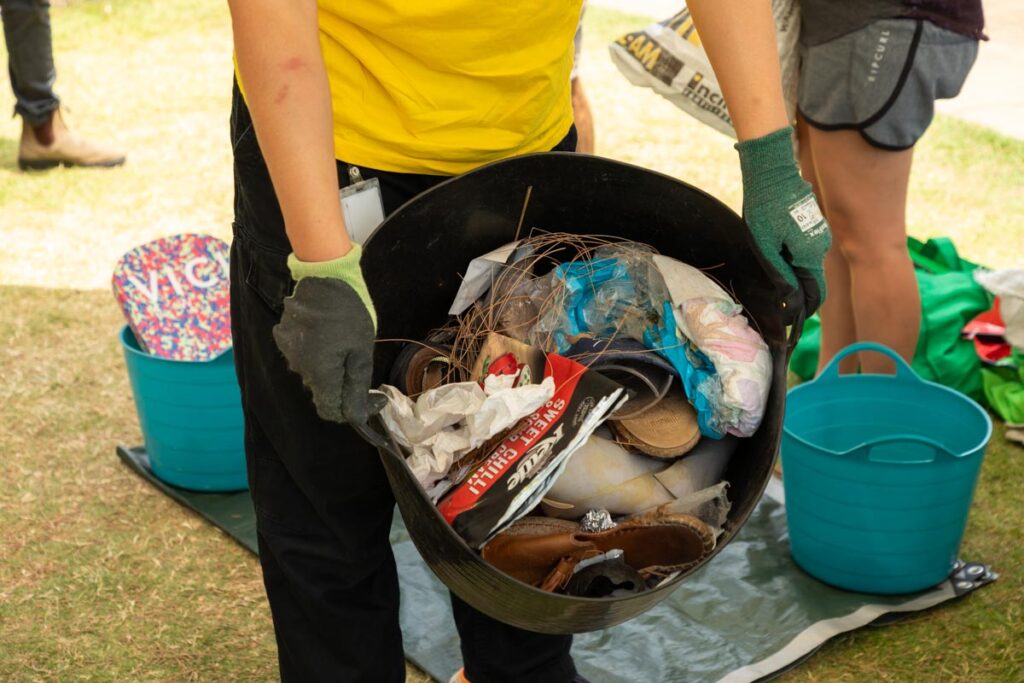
{"type": "Point", "coordinates": [411, 93]}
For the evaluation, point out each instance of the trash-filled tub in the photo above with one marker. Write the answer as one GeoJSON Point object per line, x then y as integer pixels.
{"type": "Point", "coordinates": [431, 239]}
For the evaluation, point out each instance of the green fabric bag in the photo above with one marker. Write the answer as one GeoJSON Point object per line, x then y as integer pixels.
{"type": "Point", "coordinates": [950, 298]}
{"type": "Point", "coordinates": [804, 361]}
{"type": "Point", "coordinates": [1004, 389]}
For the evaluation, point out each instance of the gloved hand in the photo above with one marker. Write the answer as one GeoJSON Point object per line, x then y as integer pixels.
{"type": "Point", "coordinates": [783, 214]}
{"type": "Point", "coordinates": [326, 334]}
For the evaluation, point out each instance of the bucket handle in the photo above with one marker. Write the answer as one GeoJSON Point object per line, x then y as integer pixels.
{"type": "Point", "coordinates": [901, 449]}
{"type": "Point", "coordinates": [377, 400]}
{"type": "Point", "coordinates": [903, 370]}
{"type": "Point", "coordinates": [371, 435]}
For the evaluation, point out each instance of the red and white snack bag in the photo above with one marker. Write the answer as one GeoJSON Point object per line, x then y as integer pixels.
{"type": "Point", "coordinates": [519, 470]}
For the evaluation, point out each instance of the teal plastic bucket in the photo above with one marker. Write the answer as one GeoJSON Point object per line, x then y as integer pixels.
{"type": "Point", "coordinates": [191, 418]}
{"type": "Point", "coordinates": [879, 473]}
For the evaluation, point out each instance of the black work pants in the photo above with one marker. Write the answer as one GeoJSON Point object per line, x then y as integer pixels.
{"type": "Point", "coordinates": [323, 503]}
{"type": "Point", "coordinates": [30, 58]}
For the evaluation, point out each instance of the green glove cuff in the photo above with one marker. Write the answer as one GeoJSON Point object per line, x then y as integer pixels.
{"type": "Point", "coordinates": [765, 162]}
{"type": "Point", "coordinates": [345, 268]}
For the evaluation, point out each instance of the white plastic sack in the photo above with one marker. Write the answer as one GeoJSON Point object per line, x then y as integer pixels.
{"type": "Point", "coordinates": [668, 58]}
{"type": "Point", "coordinates": [1008, 285]}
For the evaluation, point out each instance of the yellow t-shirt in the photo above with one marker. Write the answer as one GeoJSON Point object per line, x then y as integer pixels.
{"type": "Point", "coordinates": [442, 86]}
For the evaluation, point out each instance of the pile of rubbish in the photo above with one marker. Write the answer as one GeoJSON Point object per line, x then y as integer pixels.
{"type": "Point", "coordinates": [998, 336]}
{"type": "Point", "coordinates": [574, 419]}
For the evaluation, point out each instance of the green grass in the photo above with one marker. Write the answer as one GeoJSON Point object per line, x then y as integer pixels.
{"type": "Point", "coordinates": [103, 579]}
{"type": "Point", "coordinates": [154, 76]}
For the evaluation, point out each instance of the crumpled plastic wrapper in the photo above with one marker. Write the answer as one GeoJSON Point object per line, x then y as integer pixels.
{"type": "Point", "coordinates": [741, 358]}
{"type": "Point", "coordinates": [1008, 285]}
{"type": "Point", "coordinates": [708, 317]}
{"type": "Point", "coordinates": [445, 423]}
{"type": "Point", "coordinates": [616, 293]}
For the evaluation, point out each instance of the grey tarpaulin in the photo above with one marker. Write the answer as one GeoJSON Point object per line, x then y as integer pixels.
{"type": "Point", "coordinates": [746, 616]}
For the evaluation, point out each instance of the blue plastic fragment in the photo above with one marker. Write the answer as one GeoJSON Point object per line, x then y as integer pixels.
{"type": "Point", "coordinates": [695, 369]}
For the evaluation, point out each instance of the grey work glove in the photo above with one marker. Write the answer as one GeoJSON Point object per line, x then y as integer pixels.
{"type": "Point", "coordinates": [326, 334]}
{"type": "Point", "coordinates": [781, 211]}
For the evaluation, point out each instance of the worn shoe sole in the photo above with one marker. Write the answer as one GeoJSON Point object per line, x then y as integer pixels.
{"type": "Point", "coordinates": [667, 430]}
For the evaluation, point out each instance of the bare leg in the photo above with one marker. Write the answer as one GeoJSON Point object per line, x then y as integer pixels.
{"type": "Point", "coordinates": [837, 324]}
{"type": "Point", "coordinates": [866, 196]}
{"type": "Point", "coordinates": [584, 119]}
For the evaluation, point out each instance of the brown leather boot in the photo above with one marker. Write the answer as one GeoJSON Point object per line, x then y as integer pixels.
{"type": "Point", "coordinates": [543, 551]}
{"type": "Point", "coordinates": [66, 148]}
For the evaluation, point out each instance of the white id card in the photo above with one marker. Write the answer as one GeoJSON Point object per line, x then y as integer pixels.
{"type": "Point", "coordinates": [362, 208]}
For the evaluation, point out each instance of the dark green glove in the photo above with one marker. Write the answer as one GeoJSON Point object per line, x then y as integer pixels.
{"type": "Point", "coordinates": [326, 334]}
{"type": "Point", "coordinates": [784, 216]}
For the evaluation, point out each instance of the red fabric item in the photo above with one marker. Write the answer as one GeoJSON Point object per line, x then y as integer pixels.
{"type": "Point", "coordinates": [986, 330]}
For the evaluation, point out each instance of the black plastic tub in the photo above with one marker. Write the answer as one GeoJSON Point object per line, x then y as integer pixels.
{"type": "Point", "coordinates": [413, 263]}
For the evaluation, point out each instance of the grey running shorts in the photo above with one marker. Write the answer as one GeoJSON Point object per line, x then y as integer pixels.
{"type": "Point", "coordinates": [883, 79]}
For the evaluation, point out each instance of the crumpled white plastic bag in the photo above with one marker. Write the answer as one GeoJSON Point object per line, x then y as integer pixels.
{"type": "Point", "coordinates": [445, 423]}
{"type": "Point", "coordinates": [1008, 285]}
